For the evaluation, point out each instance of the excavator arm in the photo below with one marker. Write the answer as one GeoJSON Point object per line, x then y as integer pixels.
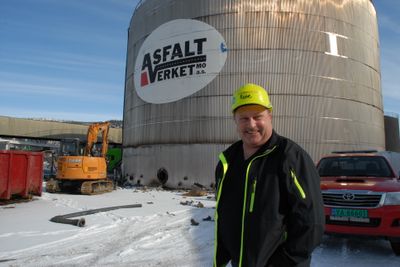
{"type": "Point", "coordinates": [92, 133]}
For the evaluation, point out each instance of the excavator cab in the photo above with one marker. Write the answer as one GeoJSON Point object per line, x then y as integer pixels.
{"type": "Point", "coordinates": [75, 147]}
{"type": "Point", "coordinates": [71, 147]}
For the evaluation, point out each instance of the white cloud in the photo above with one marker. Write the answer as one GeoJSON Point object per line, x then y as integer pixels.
{"type": "Point", "coordinates": [67, 61]}
{"type": "Point", "coordinates": [75, 91]}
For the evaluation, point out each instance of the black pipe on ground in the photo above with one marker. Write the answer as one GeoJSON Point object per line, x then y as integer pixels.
{"type": "Point", "coordinates": [81, 222]}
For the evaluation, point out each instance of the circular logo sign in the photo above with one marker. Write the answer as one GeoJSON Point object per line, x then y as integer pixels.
{"type": "Point", "coordinates": [178, 59]}
{"type": "Point", "coordinates": [348, 196]}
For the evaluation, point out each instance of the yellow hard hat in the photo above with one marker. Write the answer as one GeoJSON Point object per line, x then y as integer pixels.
{"type": "Point", "coordinates": [250, 94]}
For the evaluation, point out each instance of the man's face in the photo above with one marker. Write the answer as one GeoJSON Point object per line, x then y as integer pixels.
{"type": "Point", "coordinates": [254, 125]}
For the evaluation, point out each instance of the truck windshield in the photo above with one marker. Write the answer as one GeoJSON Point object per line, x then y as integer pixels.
{"type": "Point", "coordinates": [355, 166]}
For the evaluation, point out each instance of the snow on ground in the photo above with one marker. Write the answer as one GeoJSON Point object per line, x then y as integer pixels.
{"type": "Point", "coordinates": [159, 233]}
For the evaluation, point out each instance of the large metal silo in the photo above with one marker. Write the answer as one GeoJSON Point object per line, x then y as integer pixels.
{"type": "Point", "coordinates": [319, 60]}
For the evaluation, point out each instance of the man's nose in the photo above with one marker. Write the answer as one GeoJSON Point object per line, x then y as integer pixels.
{"type": "Point", "coordinates": [252, 122]}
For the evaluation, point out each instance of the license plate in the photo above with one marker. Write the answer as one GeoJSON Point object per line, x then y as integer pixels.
{"type": "Point", "coordinates": [349, 213]}
{"type": "Point", "coordinates": [353, 215]}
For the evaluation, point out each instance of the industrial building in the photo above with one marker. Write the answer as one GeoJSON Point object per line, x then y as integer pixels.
{"type": "Point", "coordinates": [318, 59]}
{"type": "Point", "coordinates": [392, 139]}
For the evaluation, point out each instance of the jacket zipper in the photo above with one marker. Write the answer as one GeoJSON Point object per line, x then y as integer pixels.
{"type": "Point", "coordinates": [245, 201]}
{"type": "Point", "coordinates": [297, 184]}
{"type": "Point", "coordinates": [253, 194]}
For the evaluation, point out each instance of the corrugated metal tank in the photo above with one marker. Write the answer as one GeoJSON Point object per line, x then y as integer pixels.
{"type": "Point", "coordinates": [319, 60]}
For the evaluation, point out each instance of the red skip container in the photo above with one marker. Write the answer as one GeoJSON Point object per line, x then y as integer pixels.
{"type": "Point", "coordinates": [21, 173]}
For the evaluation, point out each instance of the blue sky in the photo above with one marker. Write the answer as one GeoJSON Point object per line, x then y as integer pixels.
{"type": "Point", "coordinates": [65, 60]}
{"type": "Point", "coordinates": [389, 32]}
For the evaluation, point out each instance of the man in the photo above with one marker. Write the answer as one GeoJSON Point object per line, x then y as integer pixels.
{"type": "Point", "coordinates": [269, 209]}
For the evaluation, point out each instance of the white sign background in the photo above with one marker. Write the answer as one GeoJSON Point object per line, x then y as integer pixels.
{"type": "Point", "coordinates": [170, 33]}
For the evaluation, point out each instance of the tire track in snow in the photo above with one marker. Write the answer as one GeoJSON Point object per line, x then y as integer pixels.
{"type": "Point", "coordinates": [124, 240]}
{"type": "Point", "coordinates": [154, 234]}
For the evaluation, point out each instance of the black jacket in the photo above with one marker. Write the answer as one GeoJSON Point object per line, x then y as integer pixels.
{"type": "Point", "coordinates": [283, 221]}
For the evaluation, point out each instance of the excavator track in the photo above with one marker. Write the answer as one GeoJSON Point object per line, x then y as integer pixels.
{"type": "Point", "coordinates": [96, 187]}
{"type": "Point", "coordinates": [85, 188]}
{"type": "Point", "coordinates": [52, 186]}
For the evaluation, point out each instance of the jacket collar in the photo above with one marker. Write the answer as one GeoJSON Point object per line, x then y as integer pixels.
{"type": "Point", "coordinates": [270, 144]}
{"type": "Point", "coordinates": [272, 141]}
{"type": "Point", "coordinates": [237, 147]}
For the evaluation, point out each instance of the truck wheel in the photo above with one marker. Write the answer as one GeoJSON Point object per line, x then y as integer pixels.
{"type": "Point", "coordinates": [395, 247]}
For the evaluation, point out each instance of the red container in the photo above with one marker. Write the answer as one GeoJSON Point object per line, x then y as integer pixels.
{"type": "Point", "coordinates": [21, 173]}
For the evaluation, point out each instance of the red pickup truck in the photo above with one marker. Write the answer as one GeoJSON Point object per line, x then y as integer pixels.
{"type": "Point", "coordinates": [361, 193]}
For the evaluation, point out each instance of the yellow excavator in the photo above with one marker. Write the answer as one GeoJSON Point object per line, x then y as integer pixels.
{"type": "Point", "coordinates": [82, 167]}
